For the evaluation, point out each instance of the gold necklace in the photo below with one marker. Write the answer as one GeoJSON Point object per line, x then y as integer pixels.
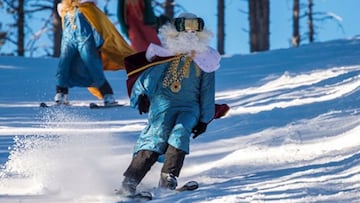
{"type": "Point", "coordinates": [174, 77]}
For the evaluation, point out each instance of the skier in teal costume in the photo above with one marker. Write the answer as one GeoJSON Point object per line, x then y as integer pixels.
{"type": "Point", "coordinates": [174, 111]}
{"type": "Point", "coordinates": [177, 89]}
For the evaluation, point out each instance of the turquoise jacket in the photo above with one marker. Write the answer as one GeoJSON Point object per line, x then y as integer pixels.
{"type": "Point", "coordinates": [172, 115]}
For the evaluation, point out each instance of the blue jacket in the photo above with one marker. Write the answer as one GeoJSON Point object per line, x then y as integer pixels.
{"type": "Point", "coordinates": [172, 115]}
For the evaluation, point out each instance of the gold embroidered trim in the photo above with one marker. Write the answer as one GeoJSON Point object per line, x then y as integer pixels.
{"type": "Point", "coordinates": [173, 76]}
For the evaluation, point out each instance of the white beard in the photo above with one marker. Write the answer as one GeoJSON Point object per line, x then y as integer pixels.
{"type": "Point", "coordinates": [173, 43]}
{"type": "Point", "coordinates": [183, 42]}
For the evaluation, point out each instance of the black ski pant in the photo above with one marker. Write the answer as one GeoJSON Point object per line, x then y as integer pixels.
{"type": "Point", "coordinates": [145, 159]}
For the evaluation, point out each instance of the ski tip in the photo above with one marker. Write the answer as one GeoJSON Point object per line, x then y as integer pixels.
{"type": "Point", "coordinates": [139, 196]}
{"type": "Point", "coordinates": [43, 105]}
{"type": "Point", "coordinates": [47, 105]}
{"type": "Point", "coordinates": [93, 105]}
{"type": "Point", "coordinates": [189, 186]}
{"type": "Point", "coordinates": [147, 196]}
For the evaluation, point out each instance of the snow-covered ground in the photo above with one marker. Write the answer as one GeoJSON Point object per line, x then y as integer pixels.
{"type": "Point", "coordinates": [292, 134]}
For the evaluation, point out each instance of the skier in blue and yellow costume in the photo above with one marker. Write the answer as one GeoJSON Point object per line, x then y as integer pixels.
{"type": "Point", "coordinates": [90, 44]}
{"type": "Point", "coordinates": [175, 85]}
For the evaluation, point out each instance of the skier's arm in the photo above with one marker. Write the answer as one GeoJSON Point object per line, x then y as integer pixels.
{"type": "Point", "coordinates": [138, 89]}
{"type": "Point", "coordinates": [146, 84]}
{"type": "Point", "coordinates": [207, 102]}
{"type": "Point", "coordinates": [207, 97]}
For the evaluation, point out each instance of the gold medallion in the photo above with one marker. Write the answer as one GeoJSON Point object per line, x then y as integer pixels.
{"type": "Point", "coordinates": [175, 86]}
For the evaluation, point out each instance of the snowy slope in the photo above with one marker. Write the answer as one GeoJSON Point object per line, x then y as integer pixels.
{"type": "Point", "coordinates": [292, 134]}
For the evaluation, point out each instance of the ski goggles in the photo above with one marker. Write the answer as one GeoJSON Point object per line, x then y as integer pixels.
{"type": "Point", "coordinates": [186, 24]}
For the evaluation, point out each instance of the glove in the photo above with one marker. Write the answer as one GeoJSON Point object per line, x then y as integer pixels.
{"type": "Point", "coordinates": [143, 103]}
{"type": "Point", "coordinates": [199, 129]}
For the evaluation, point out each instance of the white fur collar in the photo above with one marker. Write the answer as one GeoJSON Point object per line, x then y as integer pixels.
{"type": "Point", "coordinates": [208, 60]}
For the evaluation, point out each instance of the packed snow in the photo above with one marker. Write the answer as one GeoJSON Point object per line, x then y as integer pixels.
{"type": "Point", "coordinates": [291, 135]}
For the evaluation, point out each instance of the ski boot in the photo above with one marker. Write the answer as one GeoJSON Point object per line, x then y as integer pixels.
{"type": "Point", "coordinates": [61, 99]}
{"type": "Point", "coordinates": [168, 181]}
{"type": "Point", "coordinates": [109, 100]}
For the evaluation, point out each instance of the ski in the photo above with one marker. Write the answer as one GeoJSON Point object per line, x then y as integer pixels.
{"type": "Point", "coordinates": [147, 196]}
{"type": "Point", "coordinates": [101, 106]}
{"type": "Point", "coordinates": [188, 186]}
{"type": "Point", "coordinates": [140, 196]}
{"type": "Point", "coordinates": [90, 105]}
{"type": "Point", "coordinates": [45, 105]}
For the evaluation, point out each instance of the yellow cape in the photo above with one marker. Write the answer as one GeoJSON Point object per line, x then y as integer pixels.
{"type": "Point", "coordinates": [114, 49]}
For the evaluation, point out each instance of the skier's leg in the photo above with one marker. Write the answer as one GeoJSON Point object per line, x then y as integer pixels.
{"type": "Point", "coordinates": [178, 147]}
{"type": "Point", "coordinates": [68, 52]}
{"type": "Point", "coordinates": [139, 166]}
{"type": "Point", "coordinates": [90, 56]}
{"type": "Point", "coordinates": [107, 93]}
{"type": "Point", "coordinates": [174, 159]}
{"type": "Point", "coordinates": [61, 96]}
{"type": "Point", "coordinates": [105, 88]}
{"type": "Point", "coordinates": [93, 62]}
{"type": "Point", "coordinates": [180, 134]}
